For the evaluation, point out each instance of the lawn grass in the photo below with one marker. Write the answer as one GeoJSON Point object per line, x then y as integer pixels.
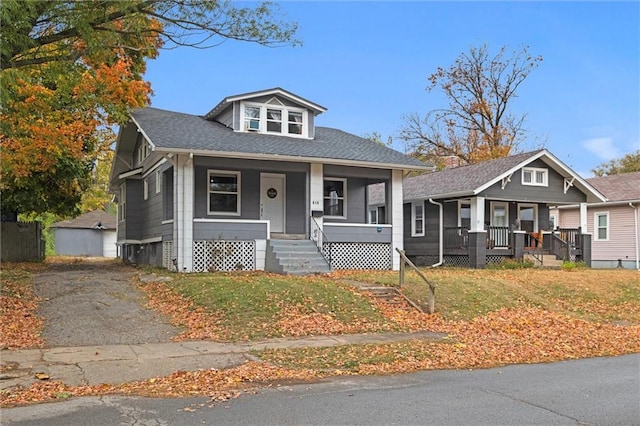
{"type": "Point", "coordinates": [464, 294]}
{"type": "Point", "coordinates": [250, 305]}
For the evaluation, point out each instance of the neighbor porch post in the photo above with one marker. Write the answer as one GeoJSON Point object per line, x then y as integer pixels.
{"type": "Point", "coordinates": [583, 216]}
{"type": "Point", "coordinates": [477, 214]}
{"type": "Point", "coordinates": [397, 228]}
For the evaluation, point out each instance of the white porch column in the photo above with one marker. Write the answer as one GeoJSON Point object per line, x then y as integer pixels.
{"type": "Point", "coordinates": [477, 214]}
{"type": "Point", "coordinates": [397, 228]}
{"type": "Point", "coordinates": [183, 212]}
{"type": "Point", "coordinates": [316, 199]}
{"type": "Point", "coordinates": [583, 217]}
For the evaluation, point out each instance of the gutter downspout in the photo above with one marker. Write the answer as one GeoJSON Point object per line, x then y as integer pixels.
{"type": "Point", "coordinates": [635, 223]}
{"type": "Point", "coordinates": [441, 234]}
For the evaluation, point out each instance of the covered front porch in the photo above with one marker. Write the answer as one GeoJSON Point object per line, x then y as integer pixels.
{"type": "Point", "coordinates": [464, 248]}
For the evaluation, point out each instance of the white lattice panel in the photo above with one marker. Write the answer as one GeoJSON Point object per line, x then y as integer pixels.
{"type": "Point", "coordinates": [359, 255]}
{"type": "Point", "coordinates": [220, 255]}
{"type": "Point", "coordinates": [461, 261]}
{"type": "Point", "coordinates": [167, 255]}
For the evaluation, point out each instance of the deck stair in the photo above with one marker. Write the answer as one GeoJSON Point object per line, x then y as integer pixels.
{"type": "Point", "coordinates": [295, 256]}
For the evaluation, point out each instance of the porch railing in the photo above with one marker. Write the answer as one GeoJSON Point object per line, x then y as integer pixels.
{"type": "Point", "coordinates": [456, 237]}
{"type": "Point", "coordinates": [321, 240]}
{"type": "Point", "coordinates": [498, 237]}
{"type": "Point", "coordinates": [566, 242]}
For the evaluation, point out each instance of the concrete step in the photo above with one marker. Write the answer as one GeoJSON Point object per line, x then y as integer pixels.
{"type": "Point", "coordinates": [295, 256]}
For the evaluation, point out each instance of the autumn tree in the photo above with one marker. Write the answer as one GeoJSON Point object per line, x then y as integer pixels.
{"type": "Point", "coordinates": [71, 70]}
{"type": "Point", "coordinates": [628, 163]}
{"type": "Point", "coordinates": [478, 124]}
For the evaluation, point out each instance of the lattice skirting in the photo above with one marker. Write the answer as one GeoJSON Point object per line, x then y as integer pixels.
{"type": "Point", "coordinates": [496, 259]}
{"type": "Point", "coordinates": [359, 255]}
{"type": "Point", "coordinates": [221, 255]}
{"type": "Point", "coordinates": [460, 261]}
{"type": "Point", "coordinates": [167, 255]}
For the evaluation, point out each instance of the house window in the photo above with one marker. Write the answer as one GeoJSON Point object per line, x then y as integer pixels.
{"type": "Point", "coordinates": [122, 202]}
{"type": "Point", "coordinates": [158, 181]}
{"type": "Point", "coordinates": [417, 220]}
{"type": "Point", "coordinates": [167, 196]}
{"type": "Point", "coordinates": [295, 123]}
{"type": "Point", "coordinates": [464, 215]}
{"type": "Point", "coordinates": [143, 149]}
{"type": "Point", "coordinates": [335, 202]}
{"type": "Point", "coordinates": [251, 119]}
{"type": "Point", "coordinates": [224, 192]}
{"type": "Point", "coordinates": [273, 118]}
{"type": "Point", "coordinates": [601, 222]}
{"type": "Point", "coordinates": [553, 221]}
{"type": "Point", "coordinates": [373, 216]}
{"type": "Point", "coordinates": [535, 177]}
{"type": "Point", "coordinates": [145, 189]}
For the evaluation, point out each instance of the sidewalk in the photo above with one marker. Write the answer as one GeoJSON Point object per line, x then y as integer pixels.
{"type": "Point", "coordinates": [113, 364]}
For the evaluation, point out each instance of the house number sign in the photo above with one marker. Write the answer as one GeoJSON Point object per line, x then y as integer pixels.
{"type": "Point", "coordinates": [272, 193]}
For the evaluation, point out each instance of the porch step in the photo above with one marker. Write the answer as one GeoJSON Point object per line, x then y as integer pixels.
{"type": "Point", "coordinates": [294, 256]}
{"type": "Point", "coordinates": [548, 260]}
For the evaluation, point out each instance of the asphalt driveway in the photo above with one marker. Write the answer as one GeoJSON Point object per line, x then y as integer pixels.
{"type": "Point", "coordinates": [94, 302]}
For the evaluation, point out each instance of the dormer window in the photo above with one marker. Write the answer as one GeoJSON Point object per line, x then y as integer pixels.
{"type": "Point", "coordinates": [274, 119]}
{"type": "Point", "coordinates": [535, 176]}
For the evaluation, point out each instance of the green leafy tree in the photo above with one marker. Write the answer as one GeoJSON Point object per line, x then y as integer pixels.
{"type": "Point", "coordinates": [478, 124]}
{"type": "Point", "coordinates": [71, 70]}
{"type": "Point", "coordinates": [628, 163]}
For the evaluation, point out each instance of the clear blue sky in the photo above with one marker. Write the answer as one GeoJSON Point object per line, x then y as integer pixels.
{"type": "Point", "coordinates": [367, 62]}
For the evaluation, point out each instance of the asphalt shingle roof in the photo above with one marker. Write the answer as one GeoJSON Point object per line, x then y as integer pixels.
{"type": "Point", "coordinates": [170, 130]}
{"type": "Point", "coordinates": [89, 221]}
{"type": "Point", "coordinates": [460, 179]}
{"type": "Point", "coordinates": [625, 186]}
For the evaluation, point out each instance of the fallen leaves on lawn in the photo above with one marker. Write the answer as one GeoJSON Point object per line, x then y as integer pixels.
{"type": "Point", "coordinates": [20, 327]}
{"type": "Point", "coordinates": [198, 323]}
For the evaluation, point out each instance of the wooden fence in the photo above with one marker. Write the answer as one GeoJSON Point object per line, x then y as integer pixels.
{"type": "Point", "coordinates": [21, 242]}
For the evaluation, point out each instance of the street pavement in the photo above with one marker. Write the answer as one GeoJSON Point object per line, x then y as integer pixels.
{"type": "Point", "coordinates": [596, 391]}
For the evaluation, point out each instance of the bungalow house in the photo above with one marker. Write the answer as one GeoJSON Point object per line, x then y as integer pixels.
{"type": "Point", "coordinates": [90, 234]}
{"type": "Point", "coordinates": [254, 184]}
{"type": "Point", "coordinates": [613, 224]}
{"type": "Point", "coordinates": [482, 213]}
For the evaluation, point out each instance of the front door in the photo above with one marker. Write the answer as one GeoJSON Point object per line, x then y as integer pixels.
{"type": "Point", "coordinates": [273, 200]}
{"type": "Point", "coordinates": [499, 225]}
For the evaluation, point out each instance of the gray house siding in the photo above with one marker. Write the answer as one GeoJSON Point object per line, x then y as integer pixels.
{"type": "Point", "coordinates": [229, 231]}
{"type": "Point", "coordinates": [423, 249]}
{"type": "Point", "coordinates": [369, 234]}
{"type": "Point", "coordinates": [78, 242]}
{"type": "Point", "coordinates": [134, 211]}
{"type": "Point", "coordinates": [296, 183]}
{"type": "Point", "coordinates": [151, 211]}
{"type": "Point", "coordinates": [554, 192]}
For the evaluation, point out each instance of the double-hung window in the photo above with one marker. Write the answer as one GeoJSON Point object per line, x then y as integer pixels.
{"type": "Point", "coordinates": [335, 201]}
{"type": "Point", "coordinates": [145, 188]}
{"type": "Point", "coordinates": [533, 176]}
{"type": "Point", "coordinates": [417, 219]}
{"type": "Point", "coordinates": [224, 192]}
{"type": "Point", "coordinates": [252, 119]}
{"type": "Point", "coordinates": [601, 225]}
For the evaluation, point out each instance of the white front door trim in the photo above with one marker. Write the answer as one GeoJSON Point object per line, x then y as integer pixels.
{"type": "Point", "coordinates": [273, 200]}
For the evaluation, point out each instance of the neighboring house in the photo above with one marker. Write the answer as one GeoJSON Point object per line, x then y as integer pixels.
{"type": "Point", "coordinates": [250, 184]}
{"type": "Point", "coordinates": [482, 213]}
{"type": "Point", "coordinates": [613, 224]}
{"type": "Point", "coordinates": [90, 234]}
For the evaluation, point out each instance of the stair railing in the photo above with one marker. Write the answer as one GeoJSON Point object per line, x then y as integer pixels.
{"type": "Point", "coordinates": [432, 288]}
{"type": "Point", "coordinates": [321, 240]}
{"type": "Point", "coordinates": [559, 247]}
{"type": "Point", "coordinates": [538, 251]}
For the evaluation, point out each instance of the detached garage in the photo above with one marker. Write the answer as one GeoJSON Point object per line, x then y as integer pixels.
{"type": "Point", "coordinates": [91, 234]}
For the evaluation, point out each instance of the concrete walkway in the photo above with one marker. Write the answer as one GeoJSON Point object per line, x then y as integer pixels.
{"type": "Point", "coordinates": [113, 364]}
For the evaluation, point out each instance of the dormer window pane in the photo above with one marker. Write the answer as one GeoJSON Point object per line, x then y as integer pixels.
{"type": "Point", "coordinates": [295, 123]}
{"type": "Point", "coordinates": [252, 118]}
{"type": "Point", "coordinates": [274, 120]}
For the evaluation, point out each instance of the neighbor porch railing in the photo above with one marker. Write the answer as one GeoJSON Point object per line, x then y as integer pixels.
{"type": "Point", "coordinates": [498, 237]}
{"type": "Point", "coordinates": [566, 243]}
{"type": "Point", "coordinates": [456, 237]}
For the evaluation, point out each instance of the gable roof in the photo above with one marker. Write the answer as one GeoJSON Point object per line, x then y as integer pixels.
{"type": "Point", "coordinates": [468, 181]}
{"type": "Point", "coordinates": [317, 109]}
{"type": "Point", "coordinates": [97, 219]}
{"type": "Point", "coordinates": [174, 132]}
{"type": "Point", "coordinates": [621, 187]}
